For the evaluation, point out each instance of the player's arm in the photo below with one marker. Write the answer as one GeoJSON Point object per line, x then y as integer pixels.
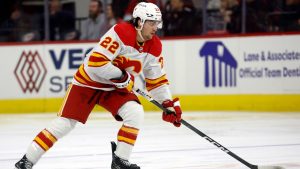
{"type": "Point", "coordinates": [99, 62]}
{"type": "Point", "coordinates": [158, 86]}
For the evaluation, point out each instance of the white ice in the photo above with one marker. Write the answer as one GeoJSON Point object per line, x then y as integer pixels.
{"type": "Point", "coordinates": [259, 138]}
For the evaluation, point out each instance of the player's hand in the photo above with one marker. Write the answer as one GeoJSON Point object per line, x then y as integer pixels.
{"type": "Point", "coordinates": [125, 83]}
{"type": "Point", "coordinates": [174, 117]}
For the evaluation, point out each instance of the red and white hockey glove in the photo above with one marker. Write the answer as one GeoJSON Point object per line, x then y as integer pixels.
{"type": "Point", "coordinates": [174, 117]}
{"type": "Point", "coordinates": [125, 83]}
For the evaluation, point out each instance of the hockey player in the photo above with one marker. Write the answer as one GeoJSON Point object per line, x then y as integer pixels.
{"type": "Point", "coordinates": [106, 78]}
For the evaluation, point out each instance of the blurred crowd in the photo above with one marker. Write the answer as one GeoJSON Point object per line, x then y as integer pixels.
{"type": "Point", "coordinates": [180, 18]}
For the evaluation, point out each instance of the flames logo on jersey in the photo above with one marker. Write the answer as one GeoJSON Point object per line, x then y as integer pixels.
{"type": "Point", "coordinates": [30, 71]}
{"type": "Point", "coordinates": [132, 66]}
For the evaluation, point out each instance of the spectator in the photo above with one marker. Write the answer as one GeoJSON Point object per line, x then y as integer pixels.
{"type": "Point", "coordinates": [292, 20]}
{"type": "Point", "coordinates": [20, 27]}
{"type": "Point", "coordinates": [214, 4]}
{"type": "Point", "coordinates": [179, 17]}
{"type": "Point", "coordinates": [111, 17]}
{"type": "Point", "coordinates": [119, 7]}
{"type": "Point", "coordinates": [256, 16]}
{"type": "Point", "coordinates": [215, 18]}
{"type": "Point", "coordinates": [231, 12]}
{"type": "Point", "coordinates": [96, 24]}
{"type": "Point", "coordinates": [62, 23]}
{"type": "Point", "coordinates": [275, 11]}
{"type": "Point", "coordinates": [6, 7]}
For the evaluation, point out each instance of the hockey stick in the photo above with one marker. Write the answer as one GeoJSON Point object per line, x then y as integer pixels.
{"type": "Point", "coordinates": [149, 98]}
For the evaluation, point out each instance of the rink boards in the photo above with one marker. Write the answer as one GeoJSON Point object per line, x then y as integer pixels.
{"type": "Point", "coordinates": [253, 73]}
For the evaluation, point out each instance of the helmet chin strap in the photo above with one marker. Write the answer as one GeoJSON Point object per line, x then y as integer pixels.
{"type": "Point", "coordinates": [139, 31]}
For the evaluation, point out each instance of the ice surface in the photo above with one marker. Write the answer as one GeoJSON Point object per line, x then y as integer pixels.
{"type": "Point", "coordinates": [259, 138]}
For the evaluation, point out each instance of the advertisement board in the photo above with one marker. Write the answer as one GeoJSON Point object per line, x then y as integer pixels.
{"type": "Point", "coordinates": [250, 65]}
{"type": "Point", "coordinates": [230, 73]}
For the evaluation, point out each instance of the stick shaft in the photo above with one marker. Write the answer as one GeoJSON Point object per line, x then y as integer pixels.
{"type": "Point", "coordinates": [221, 147]}
{"type": "Point", "coordinates": [191, 127]}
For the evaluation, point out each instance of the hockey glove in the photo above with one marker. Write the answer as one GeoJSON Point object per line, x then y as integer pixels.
{"type": "Point", "coordinates": [174, 117]}
{"type": "Point", "coordinates": [125, 83]}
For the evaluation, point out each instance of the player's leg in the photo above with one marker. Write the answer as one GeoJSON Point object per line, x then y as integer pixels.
{"type": "Point", "coordinates": [132, 114]}
{"type": "Point", "coordinates": [78, 103]}
{"type": "Point", "coordinates": [125, 107]}
{"type": "Point", "coordinates": [45, 140]}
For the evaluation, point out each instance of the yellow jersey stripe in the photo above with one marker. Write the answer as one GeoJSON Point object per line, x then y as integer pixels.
{"type": "Point", "coordinates": [82, 72]}
{"type": "Point", "coordinates": [97, 64]}
{"type": "Point", "coordinates": [151, 87]}
{"type": "Point", "coordinates": [80, 80]}
{"type": "Point", "coordinates": [155, 81]}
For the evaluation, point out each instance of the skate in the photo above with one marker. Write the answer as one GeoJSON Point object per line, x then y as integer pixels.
{"type": "Point", "coordinates": [119, 163]}
{"type": "Point", "coordinates": [24, 163]}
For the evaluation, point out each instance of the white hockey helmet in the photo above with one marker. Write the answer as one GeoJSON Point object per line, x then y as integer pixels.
{"type": "Point", "coordinates": [148, 11]}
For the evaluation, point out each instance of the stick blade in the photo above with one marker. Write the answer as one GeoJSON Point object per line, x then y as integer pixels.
{"type": "Point", "coordinates": [270, 167]}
